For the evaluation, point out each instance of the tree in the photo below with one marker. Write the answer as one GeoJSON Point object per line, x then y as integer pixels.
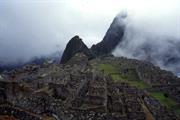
{"type": "Point", "coordinates": [166, 95]}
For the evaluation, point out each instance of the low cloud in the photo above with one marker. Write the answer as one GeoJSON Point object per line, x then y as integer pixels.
{"type": "Point", "coordinates": [153, 37]}
{"type": "Point", "coordinates": [30, 28]}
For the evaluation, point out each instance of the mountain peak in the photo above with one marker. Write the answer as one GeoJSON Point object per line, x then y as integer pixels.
{"type": "Point", "coordinates": [75, 45]}
{"type": "Point", "coordinates": [112, 37]}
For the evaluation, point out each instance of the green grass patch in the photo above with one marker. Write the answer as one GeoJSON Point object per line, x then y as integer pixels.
{"type": "Point", "coordinates": [131, 78]}
{"type": "Point", "coordinates": [135, 83]}
{"type": "Point", "coordinates": [108, 69]}
{"type": "Point", "coordinates": [166, 101]}
{"type": "Point", "coordinates": [139, 84]}
{"type": "Point", "coordinates": [178, 110]}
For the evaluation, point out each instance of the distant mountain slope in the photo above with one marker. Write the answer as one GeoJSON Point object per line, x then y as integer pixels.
{"type": "Point", "coordinates": [163, 52]}
{"type": "Point", "coordinates": [54, 57]}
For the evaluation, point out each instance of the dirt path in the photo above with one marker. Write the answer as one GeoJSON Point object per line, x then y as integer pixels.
{"type": "Point", "coordinates": [149, 116]}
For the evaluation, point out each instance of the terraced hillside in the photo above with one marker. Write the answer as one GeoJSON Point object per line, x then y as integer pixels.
{"type": "Point", "coordinates": [105, 88]}
{"type": "Point", "coordinates": [158, 84]}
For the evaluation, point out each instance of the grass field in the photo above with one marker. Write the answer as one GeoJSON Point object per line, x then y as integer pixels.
{"type": "Point", "coordinates": [131, 78]}
{"type": "Point", "coordinates": [108, 69]}
{"type": "Point", "coordinates": [177, 111]}
{"type": "Point", "coordinates": [166, 101]}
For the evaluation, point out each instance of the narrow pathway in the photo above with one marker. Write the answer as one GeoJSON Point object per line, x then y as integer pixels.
{"type": "Point", "coordinates": [149, 115]}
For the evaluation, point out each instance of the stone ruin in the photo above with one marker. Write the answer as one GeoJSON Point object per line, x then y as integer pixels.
{"type": "Point", "coordinates": [76, 92]}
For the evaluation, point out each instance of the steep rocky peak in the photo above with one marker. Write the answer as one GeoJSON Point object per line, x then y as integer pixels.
{"type": "Point", "coordinates": [112, 37]}
{"type": "Point", "coordinates": [76, 41]}
{"type": "Point", "coordinates": [75, 45]}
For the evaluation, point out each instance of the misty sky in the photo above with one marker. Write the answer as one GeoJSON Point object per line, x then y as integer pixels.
{"type": "Point", "coordinates": [40, 27]}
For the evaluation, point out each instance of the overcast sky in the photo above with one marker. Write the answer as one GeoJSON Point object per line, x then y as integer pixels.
{"type": "Point", "coordinates": [39, 27]}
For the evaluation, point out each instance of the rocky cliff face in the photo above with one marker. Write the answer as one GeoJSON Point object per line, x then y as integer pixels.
{"type": "Point", "coordinates": [75, 45]}
{"type": "Point", "coordinates": [166, 56]}
{"type": "Point", "coordinates": [112, 37]}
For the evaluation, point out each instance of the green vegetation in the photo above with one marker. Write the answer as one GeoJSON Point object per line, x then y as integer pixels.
{"type": "Point", "coordinates": [122, 72]}
{"type": "Point", "coordinates": [164, 100]}
{"type": "Point", "coordinates": [177, 111]}
{"type": "Point", "coordinates": [139, 84]}
{"type": "Point", "coordinates": [107, 68]}
{"type": "Point", "coordinates": [131, 77]}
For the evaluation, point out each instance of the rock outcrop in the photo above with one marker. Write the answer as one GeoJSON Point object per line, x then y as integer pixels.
{"type": "Point", "coordinates": [112, 37]}
{"type": "Point", "coordinates": [75, 45]}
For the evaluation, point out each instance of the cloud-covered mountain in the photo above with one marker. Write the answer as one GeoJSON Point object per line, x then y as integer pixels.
{"type": "Point", "coordinates": [110, 41]}
{"type": "Point", "coordinates": [139, 42]}
{"type": "Point", "coordinates": [112, 37]}
{"type": "Point", "coordinates": [38, 60]}
{"type": "Point", "coordinates": [129, 39]}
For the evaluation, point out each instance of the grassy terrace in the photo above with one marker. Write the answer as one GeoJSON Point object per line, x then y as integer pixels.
{"type": "Point", "coordinates": [177, 110]}
{"type": "Point", "coordinates": [165, 100]}
{"type": "Point", "coordinates": [131, 78]}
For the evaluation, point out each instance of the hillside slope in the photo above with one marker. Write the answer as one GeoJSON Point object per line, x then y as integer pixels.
{"type": "Point", "coordinates": [105, 88]}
